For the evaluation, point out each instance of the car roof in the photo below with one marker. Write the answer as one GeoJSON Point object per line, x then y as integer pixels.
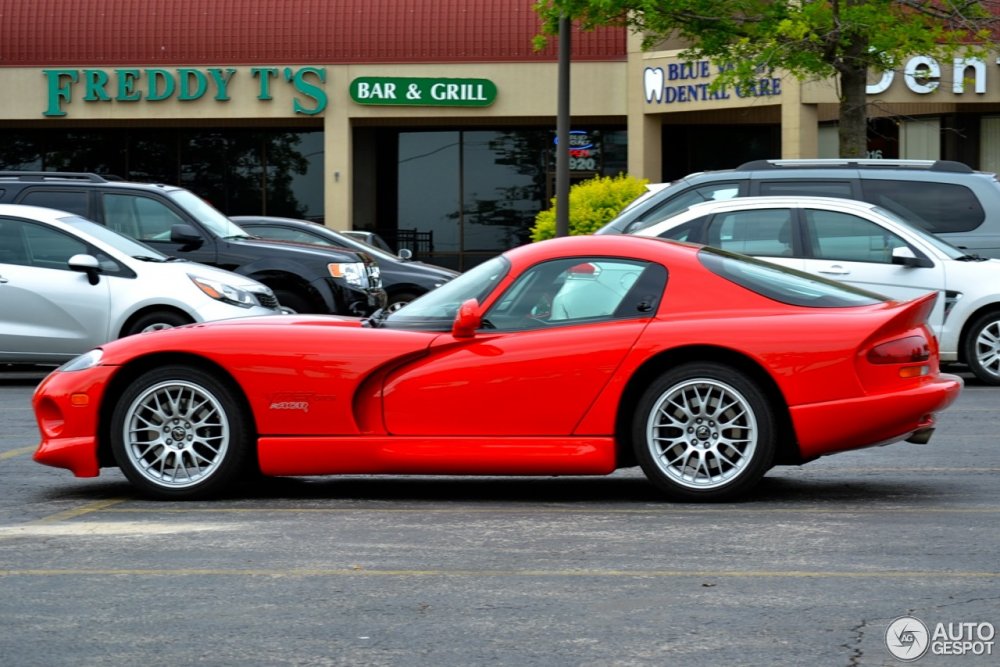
{"type": "Point", "coordinates": [49, 215]}
{"type": "Point", "coordinates": [618, 245]}
{"type": "Point", "coordinates": [790, 201]}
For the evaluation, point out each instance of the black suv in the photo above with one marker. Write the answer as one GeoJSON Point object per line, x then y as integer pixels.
{"type": "Point", "coordinates": [945, 198]}
{"type": "Point", "coordinates": [178, 223]}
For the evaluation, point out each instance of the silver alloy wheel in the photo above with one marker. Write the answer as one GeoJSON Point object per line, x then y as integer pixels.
{"type": "Point", "coordinates": [702, 433]}
{"type": "Point", "coordinates": [176, 434]}
{"type": "Point", "coordinates": [988, 348]}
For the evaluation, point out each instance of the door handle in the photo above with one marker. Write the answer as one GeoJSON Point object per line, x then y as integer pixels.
{"type": "Point", "coordinates": [834, 270]}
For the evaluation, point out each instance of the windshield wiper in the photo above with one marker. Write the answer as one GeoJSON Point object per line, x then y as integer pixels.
{"type": "Point", "coordinates": [971, 258]}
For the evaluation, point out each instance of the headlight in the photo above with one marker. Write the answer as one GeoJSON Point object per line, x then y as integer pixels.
{"type": "Point", "coordinates": [83, 362]}
{"type": "Point", "coordinates": [223, 292]}
{"type": "Point", "coordinates": [353, 273]}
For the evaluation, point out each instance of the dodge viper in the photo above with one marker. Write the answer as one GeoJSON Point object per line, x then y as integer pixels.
{"type": "Point", "coordinates": [574, 356]}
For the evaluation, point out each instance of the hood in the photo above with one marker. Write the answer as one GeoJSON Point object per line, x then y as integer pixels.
{"type": "Point", "coordinates": [320, 253]}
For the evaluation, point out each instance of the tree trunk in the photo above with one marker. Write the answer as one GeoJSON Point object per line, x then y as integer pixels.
{"type": "Point", "coordinates": [853, 127]}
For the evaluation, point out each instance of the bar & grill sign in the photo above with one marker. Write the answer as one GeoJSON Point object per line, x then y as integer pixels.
{"type": "Point", "coordinates": [413, 91]}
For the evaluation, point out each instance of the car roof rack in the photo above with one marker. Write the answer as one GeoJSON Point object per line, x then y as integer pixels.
{"type": "Point", "coordinates": [54, 175]}
{"type": "Point", "coordinates": [851, 163]}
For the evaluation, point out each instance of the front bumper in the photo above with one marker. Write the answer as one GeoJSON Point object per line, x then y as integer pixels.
{"type": "Point", "coordinates": [67, 409]}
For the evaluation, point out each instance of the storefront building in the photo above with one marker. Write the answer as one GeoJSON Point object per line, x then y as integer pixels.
{"type": "Point", "coordinates": [431, 122]}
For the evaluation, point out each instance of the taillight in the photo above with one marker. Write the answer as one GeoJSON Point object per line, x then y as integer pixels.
{"type": "Point", "coordinates": [911, 352]}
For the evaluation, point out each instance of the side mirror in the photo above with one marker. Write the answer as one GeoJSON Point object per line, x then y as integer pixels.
{"type": "Point", "coordinates": [86, 264]}
{"type": "Point", "coordinates": [904, 256]}
{"type": "Point", "coordinates": [185, 234]}
{"type": "Point", "coordinates": [467, 320]}
{"type": "Point", "coordinates": [405, 253]}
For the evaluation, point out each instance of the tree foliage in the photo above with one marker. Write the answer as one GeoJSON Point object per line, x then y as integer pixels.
{"type": "Point", "coordinates": [592, 203]}
{"type": "Point", "coordinates": [809, 39]}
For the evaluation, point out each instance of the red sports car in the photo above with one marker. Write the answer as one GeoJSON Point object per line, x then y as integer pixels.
{"type": "Point", "coordinates": [575, 356]}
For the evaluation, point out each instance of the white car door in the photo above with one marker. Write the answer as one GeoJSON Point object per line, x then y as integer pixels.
{"type": "Point", "coordinates": [858, 251]}
{"type": "Point", "coordinates": [48, 312]}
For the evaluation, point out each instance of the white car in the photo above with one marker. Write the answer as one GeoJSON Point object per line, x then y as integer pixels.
{"type": "Point", "coordinates": [866, 246]}
{"type": "Point", "coordinates": [68, 284]}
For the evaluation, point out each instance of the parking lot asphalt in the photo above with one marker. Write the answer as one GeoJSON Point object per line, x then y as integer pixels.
{"type": "Point", "coordinates": [374, 570]}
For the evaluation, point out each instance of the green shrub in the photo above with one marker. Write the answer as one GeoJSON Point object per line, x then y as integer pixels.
{"type": "Point", "coordinates": [592, 203]}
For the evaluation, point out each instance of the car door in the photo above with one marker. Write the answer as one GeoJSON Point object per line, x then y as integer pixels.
{"type": "Point", "coordinates": [548, 347]}
{"type": "Point", "coordinates": [858, 251]}
{"type": "Point", "coordinates": [49, 312]}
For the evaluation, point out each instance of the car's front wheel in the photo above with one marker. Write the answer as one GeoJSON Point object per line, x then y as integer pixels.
{"type": "Point", "coordinates": [982, 348]}
{"type": "Point", "coordinates": [704, 432]}
{"type": "Point", "coordinates": [161, 319]}
{"type": "Point", "coordinates": [178, 432]}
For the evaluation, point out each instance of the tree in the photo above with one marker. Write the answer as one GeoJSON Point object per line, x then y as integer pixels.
{"type": "Point", "coordinates": [809, 39]}
{"type": "Point", "coordinates": [592, 203]}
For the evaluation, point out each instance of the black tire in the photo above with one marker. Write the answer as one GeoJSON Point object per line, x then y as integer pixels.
{"type": "Point", "coordinates": [397, 301]}
{"type": "Point", "coordinates": [293, 303]}
{"type": "Point", "coordinates": [681, 439]}
{"type": "Point", "coordinates": [160, 319]}
{"type": "Point", "coordinates": [179, 433]}
{"type": "Point", "coordinates": [982, 348]}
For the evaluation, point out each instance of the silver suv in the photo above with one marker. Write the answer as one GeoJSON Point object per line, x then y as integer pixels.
{"type": "Point", "coordinates": [946, 198]}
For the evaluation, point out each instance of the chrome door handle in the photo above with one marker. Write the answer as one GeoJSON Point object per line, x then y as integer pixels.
{"type": "Point", "coordinates": [835, 270]}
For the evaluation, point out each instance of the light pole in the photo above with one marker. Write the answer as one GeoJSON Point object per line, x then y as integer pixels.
{"type": "Point", "coordinates": [562, 130]}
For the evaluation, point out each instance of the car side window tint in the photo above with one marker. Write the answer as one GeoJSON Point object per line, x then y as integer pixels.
{"type": "Point", "coordinates": [285, 234]}
{"type": "Point", "coordinates": [142, 218]}
{"type": "Point", "coordinates": [766, 232]}
{"type": "Point", "coordinates": [73, 201]}
{"type": "Point", "coordinates": [841, 236]}
{"type": "Point", "coordinates": [936, 207]}
{"type": "Point", "coordinates": [30, 244]}
{"type": "Point", "coordinates": [841, 189]}
{"type": "Point", "coordinates": [579, 290]}
{"type": "Point", "coordinates": [677, 203]}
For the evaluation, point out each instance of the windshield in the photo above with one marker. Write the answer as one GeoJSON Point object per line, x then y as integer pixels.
{"type": "Point", "coordinates": [942, 246]}
{"type": "Point", "coordinates": [207, 215]}
{"type": "Point", "coordinates": [437, 308]}
{"type": "Point", "coordinates": [119, 242]}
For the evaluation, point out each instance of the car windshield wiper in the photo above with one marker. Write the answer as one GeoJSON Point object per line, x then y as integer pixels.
{"type": "Point", "coordinates": [971, 258]}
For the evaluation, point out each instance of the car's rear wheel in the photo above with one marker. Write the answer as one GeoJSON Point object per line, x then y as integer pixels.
{"type": "Point", "coordinates": [982, 348]}
{"type": "Point", "coordinates": [179, 433]}
{"type": "Point", "coordinates": [704, 432]}
{"type": "Point", "coordinates": [160, 319]}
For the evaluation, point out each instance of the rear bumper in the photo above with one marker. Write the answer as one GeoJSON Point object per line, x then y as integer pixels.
{"type": "Point", "coordinates": [879, 419]}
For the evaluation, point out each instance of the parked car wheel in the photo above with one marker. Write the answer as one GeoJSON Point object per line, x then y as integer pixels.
{"type": "Point", "coordinates": [704, 431]}
{"type": "Point", "coordinates": [397, 301]}
{"type": "Point", "coordinates": [292, 302]}
{"type": "Point", "coordinates": [180, 433]}
{"type": "Point", "coordinates": [162, 319]}
{"type": "Point", "coordinates": [982, 348]}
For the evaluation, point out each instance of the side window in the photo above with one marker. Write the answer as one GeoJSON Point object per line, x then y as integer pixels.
{"type": "Point", "coordinates": [840, 236]}
{"type": "Point", "coordinates": [12, 247]}
{"type": "Point", "coordinates": [47, 248]}
{"type": "Point", "coordinates": [841, 189]}
{"type": "Point", "coordinates": [72, 201]}
{"type": "Point", "coordinates": [577, 290]}
{"type": "Point", "coordinates": [285, 234]}
{"type": "Point", "coordinates": [936, 207]}
{"type": "Point", "coordinates": [142, 218]}
{"type": "Point", "coordinates": [688, 231]}
{"type": "Point", "coordinates": [677, 203]}
{"type": "Point", "coordinates": [766, 232]}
